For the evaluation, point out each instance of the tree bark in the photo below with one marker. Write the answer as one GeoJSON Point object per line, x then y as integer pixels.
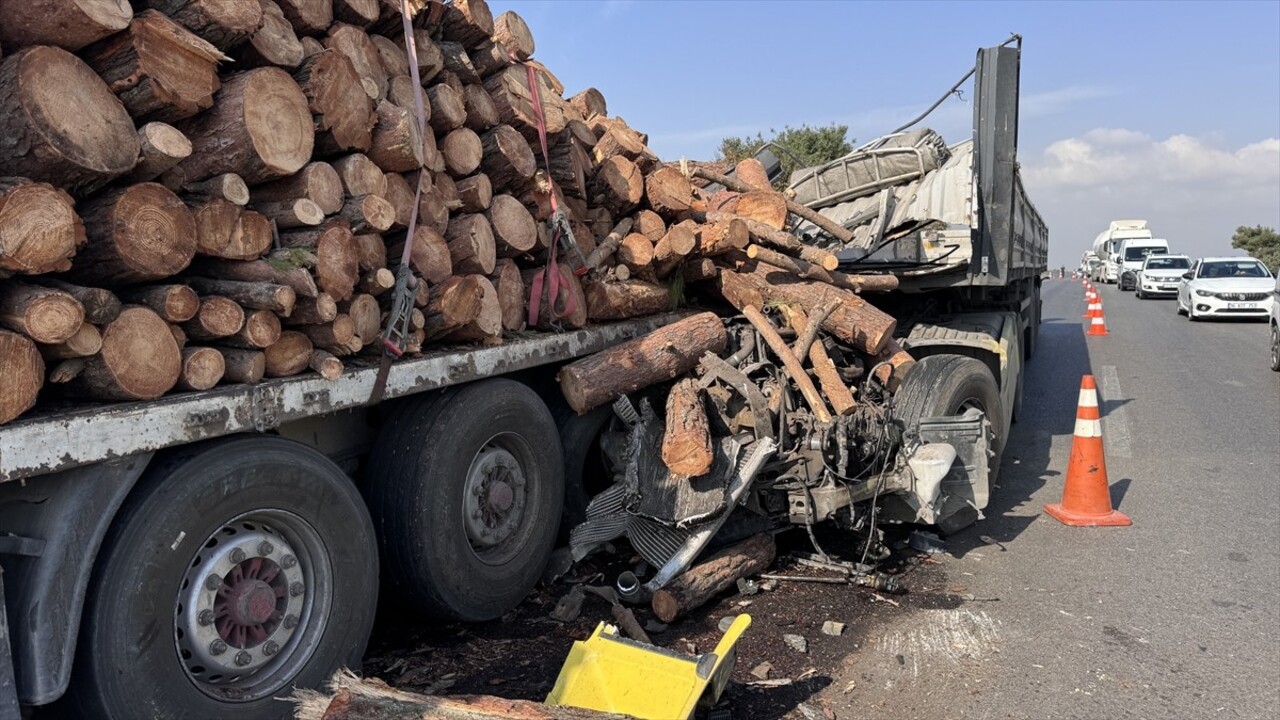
{"type": "Point", "coordinates": [699, 269]}
{"type": "Point", "coordinates": [367, 213]}
{"type": "Point", "coordinates": [511, 32]}
{"type": "Point", "coordinates": [789, 362]}
{"type": "Point", "coordinates": [363, 54]}
{"type": "Point", "coordinates": [453, 303]}
{"type": "Point", "coordinates": [782, 241]}
{"type": "Point", "coordinates": [160, 70]}
{"type": "Point", "coordinates": [570, 165]}
{"type": "Point", "coordinates": [43, 314]}
{"type": "Point", "coordinates": [139, 360]}
{"type": "Point", "coordinates": [429, 256]}
{"type": "Point", "coordinates": [337, 266]}
{"type": "Point", "coordinates": [462, 151]}
{"type": "Point", "coordinates": [223, 23]}
{"type": "Point", "coordinates": [163, 146]}
{"type": "Point", "coordinates": [218, 317]}
{"type": "Point", "coordinates": [617, 185]}
{"type": "Point", "coordinates": [507, 158]}
{"type": "Point", "coordinates": [173, 303]}
{"type": "Point", "coordinates": [842, 234]}
{"type": "Point", "coordinates": [361, 13]}
{"type": "Point", "coordinates": [448, 108]}
{"type": "Point", "coordinates": [228, 186]}
{"type": "Point", "coordinates": [331, 334]}
{"type": "Point", "coordinates": [317, 182]}
{"type": "Point", "coordinates": [605, 249]}
{"type": "Point", "coordinates": [101, 306]}
{"type": "Point", "coordinates": [23, 371]}
{"type": "Point", "coordinates": [475, 193]}
{"type": "Point", "coordinates": [277, 269]}
{"type": "Point", "coordinates": [471, 244]}
{"type": "Point", "coordinates": [60, 123]}
{"type": "Point", "coordinates": [402, 197]}
{"type": "Point", "coordinates": [342, 113]}
{"type": "Point", "coordinates": [360, 176]}
{"type": "Point", "coordinates": [137, 233]}
{"type": "Point", "coordinates": [469, 22]}
{"type": "Point", "coordinates": [86, 342]}
{"type": "Point", "coordinates": [274, 43]}
{"type": "Point", "coordinates": [514, 101]}
{"type": "Point", "coordinates": [712, 576]}
{"type": "Point", "coordinates": [259, 128]}
{"type": "Point", "coordinates": [833, 387]}
{"type": "Point", "coordinates": [289, 355]}
{"type": "Point", "coordinates": [589, 103]}
{"type": "Point", "coordinates": [430, 59]}
{"type": "Point", "coordinates": [482, 114]}
{"type": "Point", "coordinates": [202, 368]}
{"type": "Point", "coordinates": [661, 355]}
{"type": "Point", "coordinates": [289, 214]}
{"type": "Point", "coordinates": [804, 269]}
{"type": "Point", "coordinates": [686, 442]}
{"type": "Point", "coordinates": [278, 299]}
{"type": "Point", "coordinates": [900, 362]}
{"type": "Point", "coordinates": [513, 227]}
{"type": "Point", "coordinates": [308, 17]}
{"type": "Point", "coordinates": [243, 366]}
{"type": "Point", "coordinates": [397, 144]}
{"type": "Point", "coordinates": [487, 324]}
{"type": "Point", "coordinates": [722, 236]}
{"type": "Point", "coordinates": [68, 24]}
{"type": "Point", "coordinates": [625, 299]}
{"type": "Point", "coordinates": [39, 228]}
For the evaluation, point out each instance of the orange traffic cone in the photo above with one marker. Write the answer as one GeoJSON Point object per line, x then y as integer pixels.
{"type": "Point", "coordinates": [1086, 496]}
{"type": "Point", "coordinates": [1094, 310]}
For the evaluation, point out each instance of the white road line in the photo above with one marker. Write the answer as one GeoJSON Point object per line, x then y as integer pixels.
{"type": "Point", "coordinates": [1115, 423]}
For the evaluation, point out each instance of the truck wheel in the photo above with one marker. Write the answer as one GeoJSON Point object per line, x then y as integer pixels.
{"type": "Point", "coordinates": [234, 572]}
{"type": "Point", "coordinates": [466, 491]}
{"type": "Point", "coordinates": [1031, 334]}
{"type": "Point", "coordinates": [585, 470]}
{"type": "Point", "coordinates": [941, 385]}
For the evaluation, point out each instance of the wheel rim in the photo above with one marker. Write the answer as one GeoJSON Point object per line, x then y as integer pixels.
{"type": "Point", "coordinates": [253, 605]}
{"type": "Point", "coordinates": [497, 495]}
{"type": "Point", "coordinates": [1275, 347]}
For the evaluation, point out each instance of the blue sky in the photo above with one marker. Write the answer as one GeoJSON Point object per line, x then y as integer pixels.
{"type": "Point", "coordinates": [1168, 111]}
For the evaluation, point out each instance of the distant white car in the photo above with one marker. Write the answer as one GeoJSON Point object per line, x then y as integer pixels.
{"type": "Point", "coordinates": [1160, 275]}
{"type": "Point", "coordinates": [1226, 287]}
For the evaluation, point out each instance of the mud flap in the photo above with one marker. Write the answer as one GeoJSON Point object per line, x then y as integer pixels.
{"type": "Point", "coordinates": [966, 487]}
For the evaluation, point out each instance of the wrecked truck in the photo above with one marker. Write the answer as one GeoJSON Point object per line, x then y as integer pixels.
{"type": "Point", "coordinates": [105, 510]}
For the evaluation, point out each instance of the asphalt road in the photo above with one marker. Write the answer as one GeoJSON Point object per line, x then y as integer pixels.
{"type": "Point", "coordinates": [1174, 617]}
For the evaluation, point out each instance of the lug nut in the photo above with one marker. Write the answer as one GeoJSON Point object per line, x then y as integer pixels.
{"type": "Point", "coordinates": [290, 622]}
{"type": "Point", "coordinates": [213, 582]}
{"type": "Point", "coordinates": [271, 648]}
{"type": "Point", "coordinates": [205, 617]}
{"type": "Point", "coordinates": [243, 658]}
{"type": "Point", "coordinates": [217, 647]}
{"type": "Point", "coordinates": [237, 556]}
{"type": "Point", "coordinates": [288, 561]}
{"type": "Point", "coordinates": [296, 589]}
{"type": "Point", "coordinates": [265, 548]}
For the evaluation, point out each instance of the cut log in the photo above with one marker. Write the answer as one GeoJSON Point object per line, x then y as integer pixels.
{"type": "Point", "coordinates": [223, 23]}
{"type": "Point", "coordinates": [43, 314]}
{"type": "Point", "coordinates": [471, 244]}
{"type": "Point", "coordinates": [228, 186]}
{"type": "Point", "coordinates": [219, 232]}
{"type": "Point", "coordinates": [452, 304]}
{"type": "Point", "coordinates": [448, 188]}
{"type": "Point", "coordinates": [899, 363]}
{"type": "Point", "coordinates": [570, 165]}
{"type": "Point", "coordinates": [160, 70]}
{"type": "Point", "coordinates": [101, 306]}
{"type": "Point", "coordinates": [401, 90]}
{"type": "Point", "coordinates": [218, 317]}
{"type": "Point", "coordinates": [138, 233]}
{"type": "Point", "coordinates": [635, 251]}
{"type": "Point", "coordinates": [317, 182]}
{"type": "Point", "coordinates": [430, 59]}
{"type": "Point", "coordinates": [827, 225]}
{"type": "Point", "coordinates": [278, 299]}
{"type": "Point", "coordinates": [514, 229]}
{"type": "Point", "coordinates": [337, 264]}
{"type": "Point", "coordinates": [68, 24]}
{"type": "Point", "coordinates": [313, 311]}
{"type": "Point", "coordinates": [651, 225]}
{"type": "Point", "coordinates": [278, 269]}
{"type": "Point", "coordinates": [360, 176]}
{"type": "Point", "coordinates": [804, 269]}
{"type": "Point", "coordinates": [342, 113]}
{"type": "Point", "coordinates": [430, 256]}
{"type": "Point", "coordinates": [658, 356]}
{"type": "Point", "coordinates": [475, 193]}
{"type": "Point", "coordinates": [361, 13]}
{"type": "Point", "coordinates": [274, 43]}
{"type": "Point", "coordinates": [331, 334]}
{"type": "Point", "coordinates": [833, 387]}
{"type": "Point", "coordinates": [366, 316]}
{"type": "Point", "coordinates": [259, 128]}
{"type": "Point", "coordinates": [397, 143]}
{"type": "Point", "coordinates": [625, 299]}
{"type": "Point", "coordinates": [173, 303]}
{"type": "Point", "coordinates": [448, 108]}
{"type": "Point", "coordinates": [163, 146]}
{"type": "Point", "coordinates": [589, 103]}
{"type": "Point", "coordinates": [289, 355]}
{"type": "Point", "coordinates": [23, 371]}
{"type": "Point", "coordinates": [289, 214]}
{"type": "Point", "coordinates": [308, 17]}
{"type": "Point", "coordinates": [243, 366]}
{"type": "Point", "coordinates": [782, 241]}
{"type": "Point", "coordinates": [324, 363]}
{"type": "Point", "coordinates": [617, 185]}
{"type": "Point", "coordinates": [511, 32]}
{"type": "Point", "coordinates": [722, 236]}
{"type": "Point", "coordinates": [202, 368]}
{"type": "Point", "coordinates": [462, 151]}
{"type": "Point", "coordinates": [854, 321]}
{"type": "Point", "coordinates": [511, 96]}
{"type": "Point", "coordinates": [765, 206]}
{"type": "Point", "coordinates": [86, 341]}
{"type": "Point", "coordinates": [487, 323]}
{"type": "Point", "coordinates": [371, 252]}
{"type": "Point", "coordinates": [377, 282]}
{"type": "Point", "coordinates": [686, 442]}
{"type": "Point", "coordinates": [311, 46]}
{"type": "Point", "coordinates": [605, 249]}
{"type": "Point", "coordinates": [717, 573]}
{"type": "Point", "coordinates": [139, 360]}
{"type": "Point", "coordinates": [674, 246]}
{"type": "Point", "coordinates": [39, 228]}
{"type": "Point", "coordinates": [622, 140]}
{"type": "Point", "coordinates": [457, 65]}
{"type": "Point", "coordinates": [432, 209]}
{"type": "Point", "coordinates": [261, 328]}
{"type": "Point", "coordinates": [367, 213]}
{"type": "Point", "coordinates": [482, 114]}
{"type": "Point", "coordinates": [488, 58]}
{"type": "Point", "coordinates": [59, 122]}
{"type": "Point", "coordinates": [508, 160]}
{"type": "Point", "coordinates": [363, 54]}
{"type": "Point", "coordinates": [401, 196]}
{"type": "Point", "coordinates": [511, 296]}
{"type": "Point", "coordinates": [468, 21]}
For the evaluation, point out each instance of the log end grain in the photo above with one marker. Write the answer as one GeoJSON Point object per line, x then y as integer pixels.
{"type": "Point", "coordinates": [23, 371]}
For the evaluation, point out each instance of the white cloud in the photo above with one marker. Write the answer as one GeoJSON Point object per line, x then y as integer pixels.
{"type": "Point", "coordinates": [1192, 191]}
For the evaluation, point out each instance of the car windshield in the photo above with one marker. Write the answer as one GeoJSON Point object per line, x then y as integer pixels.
{"type": "Point", "coordinates": [1138, 253]}
{"type": "Point", "coordinates": [1233, 268]}
{"type": "Point", "coordinates": [1168, 263]}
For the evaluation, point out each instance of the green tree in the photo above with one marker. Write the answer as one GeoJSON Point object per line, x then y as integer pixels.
{"type": "Point", "coordinates": [803, 147]}
{"type": "Point", "coordinates": [1260, 242]}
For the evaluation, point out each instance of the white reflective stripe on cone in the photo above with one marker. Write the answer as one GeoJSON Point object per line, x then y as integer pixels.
{"type": "Point", "coordinates": [1089, 398]}
{"type": "Point", "coordinates": [1088, 428]}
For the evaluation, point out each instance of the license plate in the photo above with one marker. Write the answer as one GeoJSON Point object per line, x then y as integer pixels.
{"type": "Point", "coordinates": [1169, 288]}
{"type": "Point", "coordinates": [1241, 306]}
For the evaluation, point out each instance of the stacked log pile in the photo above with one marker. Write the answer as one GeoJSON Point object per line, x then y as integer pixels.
{"type": "Point", "coordinates": [181, 181]}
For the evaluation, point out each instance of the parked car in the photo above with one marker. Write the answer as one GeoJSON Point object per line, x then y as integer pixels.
{"type": "Point", "coordinates": [1160, 275]}
{"type": "Point", "coordinates": [1275, 327]}
{"type": "Point", "coordinates": [1226, 287]}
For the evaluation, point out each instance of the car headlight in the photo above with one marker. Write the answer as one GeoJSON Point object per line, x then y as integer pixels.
{"type": "Point", "coordinates": [1204, 293]}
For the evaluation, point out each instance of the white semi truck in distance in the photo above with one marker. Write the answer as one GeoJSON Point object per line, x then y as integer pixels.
{"type": "Point", "coordinates": [1107, 246]}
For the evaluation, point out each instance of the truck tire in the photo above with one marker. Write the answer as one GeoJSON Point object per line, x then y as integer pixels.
{"type": "Point", "coordinates": [941, 385]}
{"type": "Point", "coordinates": [1031, 334]}
{"type": "Point", "coordinates": [585, 471]}
{"type": "Point", "coordinates": [235, 571]}
{"type": "Point", "coordinates": [466, 490]}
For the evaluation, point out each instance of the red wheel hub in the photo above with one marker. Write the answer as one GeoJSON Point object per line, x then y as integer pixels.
{"type": "Point", "coordinates": [249, 604]}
